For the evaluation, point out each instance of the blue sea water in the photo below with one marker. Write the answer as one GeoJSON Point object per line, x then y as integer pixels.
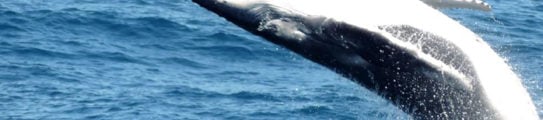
{"type": "Point", "coordinates": [171, 59]}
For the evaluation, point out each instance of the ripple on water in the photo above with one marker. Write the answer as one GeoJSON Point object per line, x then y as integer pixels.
{"type": "Point", "coordinates": [323, 112]}
{"type": "Point", "coordinates": [185, 62]}
{"type": "Point", "coordinates": [113, 56]}
{"type": "Point", "coordinates": [245, 95]}
{"type": "Point", "coordinates": [313, 109]}
{"type": "Point", "coordinates": [157, 46]}
{"type": "Point", "coordinates": [191, 93]}
{"type": "Point", "coordinates": [226, 53]}
{"type": "Point", "coordinates": [9, 27]}
{"type": "Point", "coordinates": [83, 22]}
{"type": "Point", "coordinates": [30, 52]}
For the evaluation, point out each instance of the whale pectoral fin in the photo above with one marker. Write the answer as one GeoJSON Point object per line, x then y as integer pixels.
{"type": "Point", "coordinates": [470, 4]}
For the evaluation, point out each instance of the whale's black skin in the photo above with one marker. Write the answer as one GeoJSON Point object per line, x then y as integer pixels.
{"type": "Point", "coordinates": [371, 60]}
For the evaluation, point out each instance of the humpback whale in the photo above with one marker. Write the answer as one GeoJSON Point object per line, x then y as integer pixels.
{"type": "Point", "coordinates": [422, 61]}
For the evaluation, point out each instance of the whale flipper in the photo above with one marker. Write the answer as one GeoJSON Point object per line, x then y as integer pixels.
{"type": "Point", "coordinates": [471, 4]}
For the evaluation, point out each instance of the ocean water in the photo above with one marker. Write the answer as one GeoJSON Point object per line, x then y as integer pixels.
{"type": "Point", "coordinates": [171, 59]}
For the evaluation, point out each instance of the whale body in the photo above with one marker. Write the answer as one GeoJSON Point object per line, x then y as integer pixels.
{"type": "Point", "coordinates": [425, 63]}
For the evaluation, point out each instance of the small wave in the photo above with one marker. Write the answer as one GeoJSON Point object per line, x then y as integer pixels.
{"type": "Point", "coordinates": [521, 30]}
{"type": "Point", "coordinates": [539, 8]}
{"type": "Point", "coordinates": [213, 113]}
{"type": "Point", "coordinates": [185, 62]}
{"type": "Point", "coordinates": [227, 75]}
{"type": "Point", "coordinates": [228, 53]}
{"type": "Point", "coordinates": [264, 114]}
{"type": "Point", "coordinates": [237, 73]}
{"type": "Point", "coordinates": [313, 109]}
{"type": "Point", "coordinates": [31, 52]}
{"type": "Point", "coordinates": [72, 43]}
{"type": "Point", "coordinates": [524, 47]}
{"type": "Point", "coordinates": [158, 47]}
{"type": "Point", "coordinates": [189, 92]}
{"type": "Point", "coordinates": [9, 13]}
{"type": "Point", "coordinates": [154, 27]}
{"type": "Point", "coordinates": [94, 117]}
{"type": "Point", "coordinates": [12, 77]}
{"type": "Point", "coordinates": [27, 71]}
{"type": "Point", "coordinates": [115, 109]}
{"type": "Point", "coordinates": [244, 95]}
{"type": "Point", "coordinates": [18, 21]}
{"type": "Point", "coordinates": [82, 22]}
{"type": "Point", "coordinates": [200, 22]}
{"type": "Point", "coordinates": [113, 56]}
{"type": "Point", "coordinates": [199, 93]}
{"type": "Point", "coordinates": [159, 22]}
{"type": "Point", "coordinates": [226, 37]}
{"type": "Point", "coordinates": [10, 28]}
{"type": "Point", "coordinates": [83, 110]}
